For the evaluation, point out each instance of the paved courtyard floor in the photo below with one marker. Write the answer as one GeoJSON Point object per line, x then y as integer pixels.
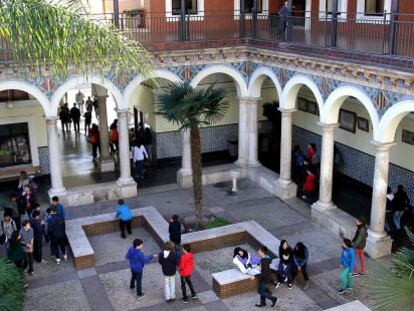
{"type": "Point", "coordinates": [105, 287]}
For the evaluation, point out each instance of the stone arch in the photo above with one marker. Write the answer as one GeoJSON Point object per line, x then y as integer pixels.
{"type": "Point", "coordinates": [32, 90]}
{"type": "Point", "coordinates": [257, 79]}
{"type": "Point", "coordinates": [292, 88]}
{"type": "Point", "coordinates": [391, 119]}
{"type": "Point", "coordinates": [160, 73]}
{"type": "Point", "coordinates": [237, 77]}
{"type": "Point", "coordinates": [330, 111]}
{"type": "Point", "coordinates": [74, 81]}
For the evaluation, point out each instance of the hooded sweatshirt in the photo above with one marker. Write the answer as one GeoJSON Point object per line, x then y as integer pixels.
{"type": "Point", "coordinates": [137, 259]}
{"type": "Point", "coordinates": [168, 263]}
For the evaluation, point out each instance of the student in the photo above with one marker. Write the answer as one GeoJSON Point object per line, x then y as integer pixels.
{"type": "Point", "coordinates": [59, 207]}
{"type": "Point", "coordinates": [7, 227]}
{"type": "Point", "coordinates": [168, 262]}
{"type": "Point", "coordinates": [15, 252]}
{"type": "Point", "coordinates": [264, 278]}
{"type": "Point", "coordinates": [358, 243]}
{"type": "Point", "coordinates": [174, 230]}
{"type": "Point", "coordinates": [284, 271]}
{"type": "Point", "coordinates": [125, 217]}
{"type": "Point", "coordinates": [246, 263]}
{"type": "Point", "coordinates": [389, 209]}
{"type": "Point", "coordinates": [36, 225]}
{"type": "Point", "coordinates": [186, 267]}
{"type": "Point", "coordinates": [26, 240]}
{"type": "Point", "coordinates": [45, 216]}
{"type": "Point", "coordinates": [88, 121]}
{"type": "Point", "coordinates": [309, 186]}
{"type": "Point", "coordinates": [400, 201]}
{"type": "Point", "coordinates": [347, 264]}
{"type": "Point", "coordinates": [75, 116]}
{"type": "Point", "coordinates": [137, 261]}
{"type": "Point", "coordinates": [57, 235]}
{"type": "Point", "coordinates": [139, 155]}
{"type": "Point", "coordinates": [28, 200]}
{"type": "Point", "coordinates": [300, 259]}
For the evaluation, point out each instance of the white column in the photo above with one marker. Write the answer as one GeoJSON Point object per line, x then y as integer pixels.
{"type": "Point", "coordinates": [243, 133]}
{"type": "Point", "coordinates": [124, 161]}
{"type": "Point", "coordinates": [54, 158]}
{"type": "Point", "coordinates": [184, 175]}
{"type": "Point", "coordinates": [378, 243]}
{"type": "Point", "coordinates": [327, 164]}
{"type": "Point", "coordinates": [286, 147]}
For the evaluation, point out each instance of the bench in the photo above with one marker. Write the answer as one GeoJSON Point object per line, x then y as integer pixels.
{"type": "Point", "coordinates": [232, 282]}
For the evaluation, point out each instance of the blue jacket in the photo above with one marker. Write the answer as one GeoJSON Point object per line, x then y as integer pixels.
{"type": "Point", "coordinates": [59, 210]}
{"type": "Point", "coordinates": [301, 262]}
{"type": "Point", "coordinates": [348, 259]}
{"type": "Point", "coordinates": [137, 259]}
{"type": "Point", "coordinates": [123, 213]}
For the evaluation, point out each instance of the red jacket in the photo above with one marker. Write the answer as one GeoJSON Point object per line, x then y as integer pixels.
{"type": "Point", "coordinates": [309, 185]}
{"type": "Point", "coordinates": [186, 264]}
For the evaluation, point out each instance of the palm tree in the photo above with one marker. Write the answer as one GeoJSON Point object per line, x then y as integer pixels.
{"type": "Point", "coordinates": [59, 34]}
{"type": "Point", "coordinates": [11, 286]}
{"type": "Point", "coordinates": [394, 288]}
{"type": "Point", "coordinates": [190, 109]}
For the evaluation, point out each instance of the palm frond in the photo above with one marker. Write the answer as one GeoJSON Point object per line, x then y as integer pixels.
{"type": "Point", "coordinates": [11, 286]}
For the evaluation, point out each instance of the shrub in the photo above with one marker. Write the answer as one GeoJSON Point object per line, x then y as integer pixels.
{"type": "Point", "coordinates": [11, 286]}
{"type": "Point", "coordinates": [217, 222]}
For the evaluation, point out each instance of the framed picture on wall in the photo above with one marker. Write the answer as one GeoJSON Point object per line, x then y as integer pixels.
{"type": "Point", "coordinates": [363, 124]}
{"type": "Point", "coordinates": [312, 107]}
{"type": "Point", "coordinates": [302, 104]}
{"type": "Point", "coordinates": [347, 120]}
{"type": "Point", "coordinates": [407, 137]}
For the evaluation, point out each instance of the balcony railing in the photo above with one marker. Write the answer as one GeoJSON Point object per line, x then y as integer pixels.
{"type": "Point", "coordinates": [385, 34]}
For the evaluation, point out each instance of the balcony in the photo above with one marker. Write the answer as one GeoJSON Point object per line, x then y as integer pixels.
{"type": "Point", "coordinates": [386, 39]}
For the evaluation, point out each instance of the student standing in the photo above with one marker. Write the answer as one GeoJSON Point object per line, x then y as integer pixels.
{"type": "Point", "coordinates": [168, 262]}
{"type": "Point", "coordinates": [57, 235]}
{"type": "Point", "coordinates": [264, 278]}
{"type": "Point", "coordinates": [7, 227]}
{"type": "Point", "coordinates": [174, 230]}
{"type": "Point", "coordinates": [125, 217]}
{"type": "Point", "coordinates": [347, 264]}
{"type": "Point", "coordinates": [137, 261]}
{"type": "Point", "coordinates": [36, 225]}
{"type": "Point", "coordinates": [186, 267]}
{"type": "Point", "coordinates": [60, 210]}
{"type": "Point", "coordinates": [139, 155]}
{"type": "Point", "coordinates": [300, 259]}
{"type": "Point", "coordinates": [358, 243]}
{"type": "Point", "coordinates": [26, 240]}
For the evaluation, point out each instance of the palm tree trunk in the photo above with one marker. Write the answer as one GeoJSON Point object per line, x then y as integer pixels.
{"type": "Point", "coordinates": [197, 175]}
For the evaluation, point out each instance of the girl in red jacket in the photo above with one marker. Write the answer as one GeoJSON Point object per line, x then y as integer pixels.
{"type": "Point", "coordinates": [309, 186]}
{"type": "Point", "coordinates": [186, 267]}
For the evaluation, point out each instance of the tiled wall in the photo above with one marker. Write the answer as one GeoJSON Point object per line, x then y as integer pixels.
{"type": "Point", "coordinates": [213, 139]}
{"type": "Point", "coordinates": [356, 164]}
{"type": "Point", "coordinates": [44, 159]}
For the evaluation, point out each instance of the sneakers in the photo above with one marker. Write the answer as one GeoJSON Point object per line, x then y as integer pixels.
{"type": "Point", "coordinates": [131, 289]}
{"type": "Point", "coordinates": [290, 286]}
{"type": "Point", "coordinates": [140, 296]}
{"type": "Point", "coordinates": [259, 305]}
{"type": "Point", "coordinates": [185, 300]}
{"type": "Point", "coordinates": [58, 261]}
{"type": "Point", "coordinates": [354, 274]}
{"type": "Point", "coordinates": [274, 302]}
{"type": "Point", "coordinates": [65, 257]}
{"type": "Point", "coordinates": [43, 261]}
{"type": "Point", "coordinates": [341, 291]}
{"type": "Point", "coordinates": [306, 285]}
{"type": "Point", "coordinates": [194, 296]}
{"type": "Point", "coordinates": [32, 274]}
{"type": "Point", "coordinates": [278, 284]}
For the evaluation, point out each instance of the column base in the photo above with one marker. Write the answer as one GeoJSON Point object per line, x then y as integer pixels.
{"type": "Point", "coordinates": [106, 165]}
{"type": "Point", "coordinates": [322, 206]}
{"type": "Point", "coordinates": [378, 245]}
{"type": "Point", "coordinates": [285, 189]}
{"type": "Point", "coordinates": [185, 178]}
{"type": "Point", "coordinates": [61, 193]}
{"type": "Point", "coordinates": [241, 163]}
{"type": "Point", "coordinates": [254, 164]}
{"type": "Point", "coordinates": [127, 189]}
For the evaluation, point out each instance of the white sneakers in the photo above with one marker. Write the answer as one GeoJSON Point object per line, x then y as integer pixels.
{"type": "Point", "coordinates": [65, 257]}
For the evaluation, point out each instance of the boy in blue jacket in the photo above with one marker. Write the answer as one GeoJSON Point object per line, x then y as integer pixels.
{"type": "Point", "coordinates": [137, 261]}
{"type": "Point", "coordinates": [125, 217]}
{"type": "Point", "coordinates": [347, 264]}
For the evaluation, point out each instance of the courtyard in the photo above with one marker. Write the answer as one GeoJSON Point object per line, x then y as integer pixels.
{"type": "Point", "coordinates": [105, 286]}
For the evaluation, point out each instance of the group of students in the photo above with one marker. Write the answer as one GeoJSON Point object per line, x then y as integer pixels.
{"type": "Point", "coordinates": [24, 244]}
{"type": "Point", "coordinates": [398, 210]}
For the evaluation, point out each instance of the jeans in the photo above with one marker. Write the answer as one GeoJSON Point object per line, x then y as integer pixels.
{"type": "Point", "coordinates": [139, 169]}
{"type": "Point", "coordinates": [136, 277]}
{"type": "Point", "coordinates": [397, 219]}
{"type": "Point", "coordinates": [95, 150]}
{"type": "Point", "coordinates": [304, 272]}
{"type": "Point", "coordinates": [346, 279]}
{"type": "Point", "coordinates": [29, 259]}
{"type": "Point", "coordinates": [123, 224]}
{"type": "Point", "coordinates": [187, 279]}
{"type": "Point", "coordinates": [45, 233]}
{"type": "Point", "coordinates": [360, 254]}
{"type": "Point", "coordinates": [177, 251]}
{"type": "Point", "coordinates": [37, 249]}
{"type": "Point", "coordinates": [283, 272]}
{"type": "Point", "coordinates": [169, 287]}
{"type": "Point", "coordinates": [76, 126]}
{"type": "Point", "coordinates": [264, 293]}
{"type": "Point", "coordinates": [56, 245]}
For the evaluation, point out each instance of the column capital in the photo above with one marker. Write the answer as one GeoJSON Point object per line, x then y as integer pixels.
{"type": "Point", "coordinates": [328, 127]}
{"type": "Point", "coordinates": [122, 111]}
{"type": "Point", "coordinates": [382, 147]}
{"type": "Point", "coordinates": [250, 100]}
{"type": "Point", "coordinates": [51, 119]}
{"type": "Point", "coordinates": [285, 111]}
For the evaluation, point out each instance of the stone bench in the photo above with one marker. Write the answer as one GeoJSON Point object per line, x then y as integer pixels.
{"type": "Point", "coordinates": [232, 282]}
{"type": "Point", "coordinates": [78, 230]}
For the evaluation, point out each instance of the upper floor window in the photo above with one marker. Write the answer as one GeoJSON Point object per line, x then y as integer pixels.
{"type": "Point", "coordinates": [374, 7]}
{"type": "Point", "coordinates": [248, 6]}
{"type": "Point", "coordinates": [190, 6]}
{"type": "Point", "coordinates": [329, 6]}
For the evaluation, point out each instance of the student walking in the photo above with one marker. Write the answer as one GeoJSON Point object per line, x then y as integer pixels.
{"type": "Point", "coordinates": [36, 224]}
{"type": "Point", "coordinates": [300, 259]}
{"type": "Point", "coordinates": [168, 262]}
{"type": "Point", "coordinates": [186, 267]}
{"type": "Point", "coordinates": [284, 271]}
{"type": "Point", "coordinates": [75, 116]}
{"type": "Point", "coordinates": [26, 240]}
{"type": "Point", "coordinates": [57, 235]}
{"type": "Point", "coordinates": [264, 278]}
{"type": "Point", "coordinates": [125, 217]}
{"type": "Point", "coordinates": [358, 243]}
{"type": "Point", "coordinates": [347, 264]}
{"type": "Point", "coordinates": [174, 230]}
{"type": "Point", "coordinates": [139, 156]}
{"type": "Point", "coordinates": [137, 261]}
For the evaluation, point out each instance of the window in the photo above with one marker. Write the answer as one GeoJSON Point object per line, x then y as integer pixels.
{"type": "Point", "coordinates": [14, 144]}
{"type": "Point", "coordinates": [190, 6]}
{"type": "Point", "coordinates": [248, 6]}
{"type": "Point", "coordinates": [374, 7]}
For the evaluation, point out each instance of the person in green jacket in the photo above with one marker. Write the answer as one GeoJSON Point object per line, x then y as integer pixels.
{"type": "Point", "coordinates": [358, 243]}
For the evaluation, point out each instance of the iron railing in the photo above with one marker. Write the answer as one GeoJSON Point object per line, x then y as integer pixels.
{"type": "Point", "coordinates": [386, 34]}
